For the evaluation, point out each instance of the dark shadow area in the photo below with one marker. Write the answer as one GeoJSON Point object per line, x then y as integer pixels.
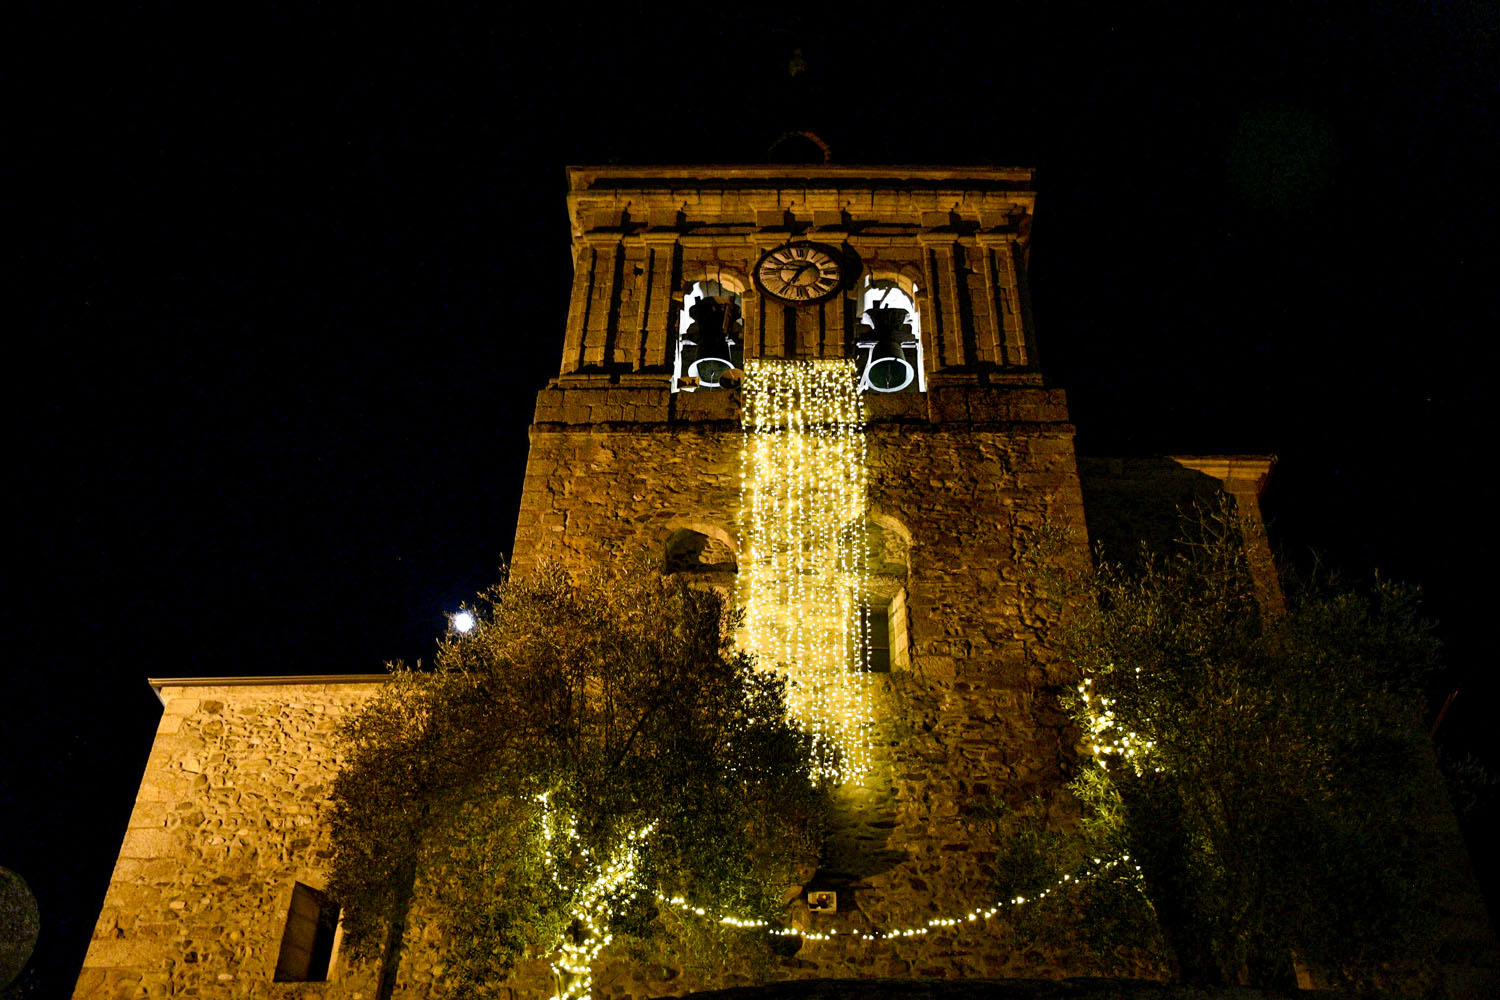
{"type": "Point", "coordinates": [856, 849]}
{"type": "Point", "coordinates": [1135, 503]}
{"type": "Point", "coordinates": [690, 551]}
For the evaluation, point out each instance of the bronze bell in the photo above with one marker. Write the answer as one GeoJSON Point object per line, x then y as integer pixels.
{"type": "Point", "coordinates": [708, 333]}
{"type": "Point", "coordinates": [887, 369]}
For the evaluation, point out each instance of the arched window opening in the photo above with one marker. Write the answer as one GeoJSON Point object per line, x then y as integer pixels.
{"type": "Point", "coordinates": [697, 553]}
{"type": "Point", "coordinates": [889, 339]}
{"type": "Point", "coordinates": [709, 337]}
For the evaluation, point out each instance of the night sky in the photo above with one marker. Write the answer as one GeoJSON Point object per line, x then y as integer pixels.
{"type": "Point", "coordinates": [289, 285]}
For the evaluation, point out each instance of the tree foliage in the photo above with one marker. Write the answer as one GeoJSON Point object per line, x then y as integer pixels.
{"type": "Point", "coordinates": [1079, 892]}
{"type": "Point", "coordinates": [583, 726]}
{"type": "Point", "coordinates": [1265, 770]}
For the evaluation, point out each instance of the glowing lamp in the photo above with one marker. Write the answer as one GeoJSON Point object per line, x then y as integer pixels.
{"type": "Point", "coordinates": [463, 622]}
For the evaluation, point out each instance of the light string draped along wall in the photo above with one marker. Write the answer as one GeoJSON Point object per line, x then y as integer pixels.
{"type": "Point", "coordinates": [1122, 866]}
{"type": "Point", "coordinates": [803, 506]}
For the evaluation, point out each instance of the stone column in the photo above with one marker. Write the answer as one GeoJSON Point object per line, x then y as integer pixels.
{"type": "Point", "coordinates": [1000, 339]}
{"type": "Point", "coordinates": [583, 279]}
{"type": "Point", "coordinates": [1016, 353]}
{"type": "Point", "coordinates": [658, 318]}
{"type": "Point", "coordinates": [635, 278]}
{"type": "Point", "coordinates": [599, 314]}
{"type": "Point", "coordinates": [938, 264]}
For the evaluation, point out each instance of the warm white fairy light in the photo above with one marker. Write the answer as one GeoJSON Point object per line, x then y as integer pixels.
{"type": "Point", "coordinates": [803, 505]}
{"type": "Point", "coordinates": [804, 579]}
{"type": "Point", "coordinates": [615, 882]}
{"type": "Point", "coordinates": [1107, 738]}
{"type": "Point", "coordinates": [613, 885]}
{"type": "Point", "coordinates": [979, 914]}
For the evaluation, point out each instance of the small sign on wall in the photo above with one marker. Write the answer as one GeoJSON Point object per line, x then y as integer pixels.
{"type": "Point", "coordinates": [823, 901]}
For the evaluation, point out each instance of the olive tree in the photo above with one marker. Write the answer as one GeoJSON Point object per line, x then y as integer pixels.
{"type": "Point", "coordinates": [589, 748]}
{"type": "Point", "coordinates": [1265, 770]}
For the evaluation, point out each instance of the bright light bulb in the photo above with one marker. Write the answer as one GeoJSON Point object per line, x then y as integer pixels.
{"type": "Point", "coordinates": [463, 622]}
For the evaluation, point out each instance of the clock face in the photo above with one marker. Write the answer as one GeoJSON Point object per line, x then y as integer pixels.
{"type": "Point", "coordinates": [799, 272]}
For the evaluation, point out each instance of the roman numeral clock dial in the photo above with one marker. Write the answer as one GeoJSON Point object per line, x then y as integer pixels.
{"type": "Point", "coordinates": [799, 273]}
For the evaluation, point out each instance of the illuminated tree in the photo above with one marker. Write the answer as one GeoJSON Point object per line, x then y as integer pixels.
{"type": "Point", "coordinates": [588, 748]}
{"type": "Point", "coordinates": [1265, 770]}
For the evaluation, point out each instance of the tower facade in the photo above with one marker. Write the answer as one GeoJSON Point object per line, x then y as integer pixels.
{"type": "Point", "coordinates": [650, 446]}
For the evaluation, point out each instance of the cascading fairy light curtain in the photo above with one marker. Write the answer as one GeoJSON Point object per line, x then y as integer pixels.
{"type": "Point", "coordinates": [803, 505]}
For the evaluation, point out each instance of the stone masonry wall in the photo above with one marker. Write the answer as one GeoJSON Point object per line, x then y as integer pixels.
{"type": "Point", "coordinates": [974, 475]}
{"type": "Point", "coordinates": [232, 808]}
{"type": "Point", "coordinates": [231, 812]}
{"type": "Point", "coordinates": [971, 476]}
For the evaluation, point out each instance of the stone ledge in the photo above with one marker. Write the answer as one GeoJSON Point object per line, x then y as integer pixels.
{"type": "Point", "coordinates": [160, 682]}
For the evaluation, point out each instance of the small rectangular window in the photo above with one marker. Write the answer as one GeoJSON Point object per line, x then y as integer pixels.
{"type": "Point", "coordinates": [900, 632]}
{"type": "Point", "coordinates": [880, 641]}
{"type": "Point", "coordinates": [884, 634]}
{"type": "Point", "coordinates": [307, 942]}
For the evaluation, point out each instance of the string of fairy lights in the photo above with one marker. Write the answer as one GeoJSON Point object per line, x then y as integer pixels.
{"type": "Point", "coordinates": [803, 506]}
{"type": "Point", "coordinates": [1106, 737]}
{"type": "Point", "coordinates": [598, 903]}
{"type": "Point", "coordinates": [594, 907]}
{"type": "Point", "coordinates": [614, 883]}
{"type": "Point", "coordinates": [803, 492]}
{"type": "Point", "coordinates": [999, 908]}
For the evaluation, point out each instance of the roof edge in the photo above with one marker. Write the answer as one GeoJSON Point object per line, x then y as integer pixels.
{"type": "Point", "coordinates": [582, 176]}
{"type": "Point", "coordinates": [1254, 468]}
{"type": "Point", "coordinates": [157, 683]}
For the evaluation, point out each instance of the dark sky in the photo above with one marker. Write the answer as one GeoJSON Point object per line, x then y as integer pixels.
{"type": "Point", "coordinates": [290, 283]}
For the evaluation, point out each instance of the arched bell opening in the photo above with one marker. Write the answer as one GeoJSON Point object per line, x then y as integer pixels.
{"type": "Point", "coordinates": [888, 340]}
{"type": "Point", "coordinates": [710, 336]}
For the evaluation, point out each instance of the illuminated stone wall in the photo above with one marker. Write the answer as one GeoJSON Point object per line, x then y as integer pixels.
{"type": "Point", "coordinates": [641, 234]}
{"type": "Point", "coordinates": [970, 475]}
{"type": "Point", "coordinates": [964, 474]}
{"type": "Point", "coordinates": [231, 813]}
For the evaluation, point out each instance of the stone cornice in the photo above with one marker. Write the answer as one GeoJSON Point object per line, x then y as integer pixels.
{"type": "Point", "coordinates": [1254, 469]}
{"type": "Point", "coordinates": [158, 683]}
{"type": "Point", "coordinates": [586, 178]}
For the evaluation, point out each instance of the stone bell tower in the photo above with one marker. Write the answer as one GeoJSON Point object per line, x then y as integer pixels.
{"type": "Point", "coordinates": [629, 443]}
{"type": "Point", "coordinates": [916, 279]}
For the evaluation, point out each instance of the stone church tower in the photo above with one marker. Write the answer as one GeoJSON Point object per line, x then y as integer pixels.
{"type": "Point", "coordinates": [707, 304]}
